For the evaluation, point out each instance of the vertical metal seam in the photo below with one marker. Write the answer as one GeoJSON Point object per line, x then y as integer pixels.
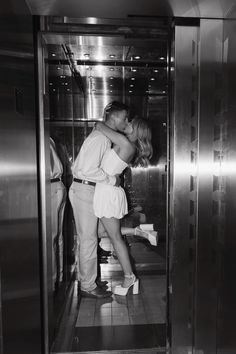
{"type": "Point", "coordinates": [42, 191]}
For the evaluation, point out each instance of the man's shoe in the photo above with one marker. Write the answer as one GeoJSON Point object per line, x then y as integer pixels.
{"type": "Point", "coordinates": [101, 283]}
{"type": "Point", "coordinates": [97, 293]}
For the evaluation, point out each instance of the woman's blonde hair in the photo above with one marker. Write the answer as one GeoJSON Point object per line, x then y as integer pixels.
{"type": "Point", "coordinates": [143, 143]}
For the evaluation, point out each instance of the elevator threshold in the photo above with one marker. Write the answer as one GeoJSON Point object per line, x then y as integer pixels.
{"type": "Point", "coordinates": [124, 351]}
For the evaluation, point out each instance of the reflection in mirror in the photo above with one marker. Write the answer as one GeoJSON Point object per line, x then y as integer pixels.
{"type": "Point", "coordinates": [58, 201]}
{"type": "Point", "coordinates": [61, 177]}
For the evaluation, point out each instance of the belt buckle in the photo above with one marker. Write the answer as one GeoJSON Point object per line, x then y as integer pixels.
{"type": "Point", "coordinates": [85, 182]}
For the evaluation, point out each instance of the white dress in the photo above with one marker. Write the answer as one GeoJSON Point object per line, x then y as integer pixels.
{"type": "Point", "coordinates": [110, 201]}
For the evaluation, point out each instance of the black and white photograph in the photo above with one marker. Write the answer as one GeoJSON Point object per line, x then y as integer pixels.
{"type": "Point", "coordinates": [117, 176]}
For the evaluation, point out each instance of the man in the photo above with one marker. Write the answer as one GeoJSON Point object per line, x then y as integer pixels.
{"type": "Point", "coordinates": [86, 173]}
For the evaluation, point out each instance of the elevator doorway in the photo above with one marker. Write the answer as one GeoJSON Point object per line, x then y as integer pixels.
{"type": "Point", "coordinates": [85, 66]}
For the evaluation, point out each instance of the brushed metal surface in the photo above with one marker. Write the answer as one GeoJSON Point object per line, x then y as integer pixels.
{"type": "Point", "coordinates": [19, 241]}
{"type": "Point", "coordinates": [106, 70]}
{"type": "Point", "coordinates": [210, 187]}
{"type": "Point", "coordinates": [226, 341]}
{"type": "Point", "coordinates": [183, 189]}
{"type": "Point", "coordinates": [202, 194]}
{"type": "Point", "coordinates": [122, 8]}
{"type": "Point", "coordinates": [44, 199]}
{"type": "Point", "coordinates": [1, 329]}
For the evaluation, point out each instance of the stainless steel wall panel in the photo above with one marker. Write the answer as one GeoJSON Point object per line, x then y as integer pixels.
{"type": "Point", "coordinates": [209, 195]}
{"type": "Point", "coordinates": [183, 188]}
{"type": "Point", "coordinates": [226, 341]}
{"type": "Point", "coordinates": [203, 191]}
{"type": "Point", "coordinates": [19, 240]}
{"type": "Point", "coordinates": [44, 199]}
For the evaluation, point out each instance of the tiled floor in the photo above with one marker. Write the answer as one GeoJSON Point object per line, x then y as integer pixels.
{"type": "Point", "coordinates": [120, 323]}
{"type": "Point", "coordinates": [119, 338]}
{"type": "Point", "coordinates": [147, 307]}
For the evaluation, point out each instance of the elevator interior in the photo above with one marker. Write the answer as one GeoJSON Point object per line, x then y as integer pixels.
{"type": "Point", "coordinates": [85, 67]}
{"type": "Point", "coordinates": [201, 189]}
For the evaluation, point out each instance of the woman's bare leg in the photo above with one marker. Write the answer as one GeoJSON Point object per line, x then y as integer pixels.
{"type": "Point", "coordinates": [133, 231]}
{"type": "Point", "coordinates": [127, 230]}
{"type": "Point", "coordinates": [112, 226]}
{"type": "Point", "coordinates": [124, 231]}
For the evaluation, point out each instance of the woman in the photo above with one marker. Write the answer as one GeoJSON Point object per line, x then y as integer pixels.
{"type": "Point", "coordinates": [110, 203]}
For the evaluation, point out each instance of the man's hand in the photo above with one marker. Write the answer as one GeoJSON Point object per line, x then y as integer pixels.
{"type": "Point", "coordinates": [117, 181]}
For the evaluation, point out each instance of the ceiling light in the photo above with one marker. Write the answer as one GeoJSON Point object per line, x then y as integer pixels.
{"type": "Point", "coordinates": [66, 83]}
{"type": "Point", "coordinates": [54, 89]}
{"type": "Point", "coordinates": [111, 91]}
{"type": "Point", "coordinates": [62, 76]}
{"type": "Point", "coordinates": [111, 85]}
{"type": "Point", "coordinates": [152, 79]}
{"type": "Point", "coordinates": [130, 91]}
{"type": "Point", "coordinates": [163, 91]}
{"type": "Point", "coordinates": [53, 54]}
{"type": "Point", "coordinates": [112, 56]}
{"type": "Point", "coordinates": [155, 70]}
{"type": "Point", "coordinates": [162, 58]}
{"type": "Point", "coordinates": [134, 70]}
{"type": "Point", "coordinates": [137, 57]}
{"type": "Point", "coordinates": [147, 91]}
{"type": "Point", "coordinates": [131, 85]}
{"type": "Point", "coordinates": [111, 78]}
{"type": "Point", "coordinates": [132, 78]}
{"type": "Point", "coordinates": [111, 69]}
{"type": "Point", "coordinates": [68, 89]}
{"type": "Point", "coordinates": [50, 83]}
{"type": "Point", "coordinates": [58, 68]}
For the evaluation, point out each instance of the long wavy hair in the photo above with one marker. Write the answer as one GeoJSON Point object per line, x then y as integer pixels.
{"type": "Point", "coordinates": [143, 143]}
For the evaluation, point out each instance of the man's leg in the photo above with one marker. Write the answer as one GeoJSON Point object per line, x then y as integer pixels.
{"type": "Point", "coordinates": [81, 197]}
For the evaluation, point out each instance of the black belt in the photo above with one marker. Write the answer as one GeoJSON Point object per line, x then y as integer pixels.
{"type": "Point", "coordinates": [84, 181]}
{"type": "Point", "coordinates": [53, 180]}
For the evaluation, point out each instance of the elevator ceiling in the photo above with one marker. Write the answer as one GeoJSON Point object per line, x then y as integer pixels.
{"type": "Point", "coordinates": [108, 61]}
{"type": "Point", "coordinates": [107, 64]}
{"type": "Point", "coordinates": [124, 8]}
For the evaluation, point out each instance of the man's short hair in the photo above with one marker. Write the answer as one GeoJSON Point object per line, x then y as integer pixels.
{"type": "Point", "coordinates": [114, 106]}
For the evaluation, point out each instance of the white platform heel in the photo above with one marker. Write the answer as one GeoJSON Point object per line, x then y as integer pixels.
{"type": "Point", "coordinates": [146, 231]}
{"type": "Point", "coordinates": [123, 291]}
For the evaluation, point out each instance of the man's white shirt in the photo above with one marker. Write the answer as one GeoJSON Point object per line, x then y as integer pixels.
{"type": "Point", "coordinates": [87, 163]}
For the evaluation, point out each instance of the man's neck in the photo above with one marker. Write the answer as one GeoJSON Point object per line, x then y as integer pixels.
{"type": "Point", "coordinates": [110, 124]}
